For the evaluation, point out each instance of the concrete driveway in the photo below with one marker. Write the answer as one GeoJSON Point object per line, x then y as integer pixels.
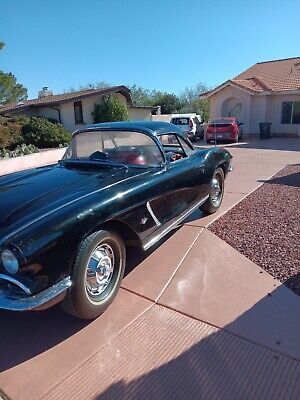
{"type": "Point", "coordinates": [194, 319]}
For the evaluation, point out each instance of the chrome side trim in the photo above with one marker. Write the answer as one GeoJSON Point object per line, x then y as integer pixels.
{"type": "Point", "coordinates": [173, 225]}
{"type": "Point", "coordinates": [152, 214]}
{"type": "Point", "coordinates": [26, 303]}
{"type": "Point", "coordinates": [4, 238]}
{"type": "Point", "coordinates": [15, 282]}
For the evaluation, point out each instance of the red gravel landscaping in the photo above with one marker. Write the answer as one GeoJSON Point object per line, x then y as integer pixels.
{"type": "Point", "coordinates": [265, 226]}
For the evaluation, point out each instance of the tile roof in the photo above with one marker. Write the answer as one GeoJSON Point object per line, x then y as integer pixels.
{"type": "Point", "coordinates": [61, 98]}
{"type": "Point", "coordinates": [277, 76]}
{"type": "Point", "coordinates": [271, 76]}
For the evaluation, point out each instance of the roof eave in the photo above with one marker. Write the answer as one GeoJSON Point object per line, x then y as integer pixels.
{"type": "Point", "coordinates": [15, 110]}
{"type": "Point", "coordinates": [124, 90]}
{"type": "Point", "coordinates": [287, 91]}
{"type": "Point", "coordinates": [223, 85]}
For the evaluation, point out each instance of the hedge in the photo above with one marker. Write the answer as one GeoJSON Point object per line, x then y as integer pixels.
{"type": "Point", "coordinates": [36, 131]}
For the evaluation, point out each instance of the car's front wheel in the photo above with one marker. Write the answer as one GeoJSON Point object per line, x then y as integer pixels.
{"type": "Point", "coordinates": [97, 274]}
{"type": "Point", "coordinates": [215, 198]}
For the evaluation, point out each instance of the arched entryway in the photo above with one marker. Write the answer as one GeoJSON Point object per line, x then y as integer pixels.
{"type": "Point", "coordinates": [233, 107]}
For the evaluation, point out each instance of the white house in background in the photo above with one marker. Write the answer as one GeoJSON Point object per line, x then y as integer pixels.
{"type": "Point", "coordinates": [73, 110]}
{"type": "Point", "coordinates": [266, 92]}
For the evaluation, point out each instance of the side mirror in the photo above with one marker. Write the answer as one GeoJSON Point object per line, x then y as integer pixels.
{"type": "Point", "coordinates": [241, 123]}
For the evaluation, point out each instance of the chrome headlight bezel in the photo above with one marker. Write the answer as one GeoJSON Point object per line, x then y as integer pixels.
{"type": "Point", "coordinates": [9, 261]}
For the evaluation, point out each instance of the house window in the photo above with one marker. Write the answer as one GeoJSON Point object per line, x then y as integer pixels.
{"type": "Point", "coordinates": [78, 112]}
{"type": "Point", "coordinates": [296, 112]}
{"type": "Point", "coordinates": [290, 112]}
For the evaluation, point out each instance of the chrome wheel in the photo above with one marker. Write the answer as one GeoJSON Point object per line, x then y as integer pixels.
{"type": "Point", "coordinates": [216, 190]}
{"type": "Point", "coordinates": [99, 270]}
{"type": "Point", "coordinates": [97, 273]}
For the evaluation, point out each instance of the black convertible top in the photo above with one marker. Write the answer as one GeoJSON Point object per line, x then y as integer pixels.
{"type": "Point", "coordinates": [153, 128]}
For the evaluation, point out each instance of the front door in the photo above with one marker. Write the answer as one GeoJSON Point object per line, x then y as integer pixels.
{"type": "Point", "coordinates": [182, 183]}
{"type": "Point", "coordinates": [236, 111]}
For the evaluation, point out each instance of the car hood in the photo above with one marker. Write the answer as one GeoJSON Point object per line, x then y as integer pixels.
{"type": "Point", "coordinates": [46, 188]}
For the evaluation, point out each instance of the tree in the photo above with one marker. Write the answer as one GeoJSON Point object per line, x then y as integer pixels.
{"type": "Point", "coordinates": [192, 103]}
{"type": "Point", "coordinates": [141, 96]}
{"type": "Point", "coordinates": [87, 86]}
{"type": "Point", "coordinates": [10, 90]}
{"type": "Point", "coordinates": [169, 102]}
{"type": "Point", "coordinates": [110, 109]}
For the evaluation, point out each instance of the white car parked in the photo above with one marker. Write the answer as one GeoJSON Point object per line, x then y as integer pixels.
{"type": "Point", "coordinates": [190, 124]}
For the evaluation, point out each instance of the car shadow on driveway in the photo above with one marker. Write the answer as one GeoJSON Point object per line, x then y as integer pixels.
{"type": "Point", "coordinates": [25, 335]}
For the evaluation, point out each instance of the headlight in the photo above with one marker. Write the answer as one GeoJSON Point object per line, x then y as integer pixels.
{"type": "Point", "coordinates": [9, 261]}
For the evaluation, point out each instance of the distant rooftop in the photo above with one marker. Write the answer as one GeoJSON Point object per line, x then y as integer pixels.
{"type": "Point", "coordinates": [51, 99]}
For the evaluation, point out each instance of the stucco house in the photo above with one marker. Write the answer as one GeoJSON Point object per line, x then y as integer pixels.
{"type": "Point", "coordinates": [266, 92]}
{"type": "Point", "coordinates": [73, 110]}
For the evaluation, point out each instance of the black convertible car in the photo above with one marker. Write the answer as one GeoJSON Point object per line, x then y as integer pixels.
{"type": "Point", "coordinates": [64, 228]}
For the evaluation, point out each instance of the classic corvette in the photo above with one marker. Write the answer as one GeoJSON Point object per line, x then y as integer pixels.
{"type": "Point", "coordinates": [65, 228]}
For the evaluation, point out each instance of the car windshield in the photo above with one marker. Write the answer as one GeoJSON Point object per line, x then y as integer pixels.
{"type": "Point", "coordinates": [114, 147]}
{"type": "Point", "coordinates": [180, 121]}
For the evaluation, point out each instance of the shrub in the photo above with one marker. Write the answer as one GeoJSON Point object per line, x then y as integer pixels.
{"type": "Point", "coordinates": [10, 133]}
{"type": "Point", "coordinates": [20, 150]}
{"type": "Point", "coordinates": [42, 133]}
{"type": "Point", "coordinates": [110, 109]}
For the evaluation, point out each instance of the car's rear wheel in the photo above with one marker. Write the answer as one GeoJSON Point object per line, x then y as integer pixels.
{"type": "Point", "coordinates": [97, 274]}
{"type": "Point", "coordinates": [215, 198]}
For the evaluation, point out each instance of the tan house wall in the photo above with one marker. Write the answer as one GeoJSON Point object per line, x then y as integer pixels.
{"type": "Point", "coordinates": [268, 108]}
{"type": "Point", "coordinates": [256, 109]}
{"type": "Point", "coordinates": [46, 112]}
{"type": "Point", "coordinates": [276, 107]}
{"type": "Point", "coordinates": [162, 117]}
{"type": "Point", "coordinates": [258, 112]}
{"type": "Point", "coordinates": [67, 112]}
{"type": "Point", "coordinates": [229, 92]}
{"type": "Point", "coordinates": [139, 114]}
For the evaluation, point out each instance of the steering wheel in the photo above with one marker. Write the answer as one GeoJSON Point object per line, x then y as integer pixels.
{"type": "Point", "coordinates": [171, 156]}
{"type": "Point", "coordinates": [98, 155]}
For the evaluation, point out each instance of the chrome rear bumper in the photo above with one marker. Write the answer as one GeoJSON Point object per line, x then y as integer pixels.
{"type": "Point", "coordinates": [25, 302]}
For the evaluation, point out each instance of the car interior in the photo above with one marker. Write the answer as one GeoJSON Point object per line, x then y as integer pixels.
{"type": "Point", "coordinates": [172, 147]}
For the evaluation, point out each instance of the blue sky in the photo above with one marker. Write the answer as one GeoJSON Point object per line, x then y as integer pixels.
{"type": "Point", "coordinates": [158, 44]}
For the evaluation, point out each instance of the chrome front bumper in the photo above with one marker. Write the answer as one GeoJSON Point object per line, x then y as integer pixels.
{"type": "Point", "coordinates": [26, 302]}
